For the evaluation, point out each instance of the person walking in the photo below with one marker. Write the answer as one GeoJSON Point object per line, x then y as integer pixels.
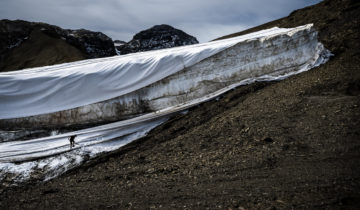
{"type": "Point", "coordinates": [72, 141]}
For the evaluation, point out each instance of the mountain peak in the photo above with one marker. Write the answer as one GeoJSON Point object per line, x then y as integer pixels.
{"type": "Point", "coordinates": [157, 37]}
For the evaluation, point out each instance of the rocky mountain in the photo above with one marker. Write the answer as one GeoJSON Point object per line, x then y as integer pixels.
{"type": "Point", "coordinates": [28, 44]}
{"type": "Point", "coordinates": [157, 37]}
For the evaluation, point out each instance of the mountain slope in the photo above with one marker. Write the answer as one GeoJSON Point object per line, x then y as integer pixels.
{"type": "Point", "coordinates": [28, 44]}
{"type": "Point", "coordinates": [288, 144]}
{"type": "Point", "coordinates": [32, 52]}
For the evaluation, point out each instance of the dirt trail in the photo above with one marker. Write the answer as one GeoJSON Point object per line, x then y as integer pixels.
{"type": "Point", "coordinates": [288, 144]}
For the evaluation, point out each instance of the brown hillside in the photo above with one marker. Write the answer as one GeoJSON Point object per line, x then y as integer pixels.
{"type": "Point", "coordinates": [26, 44]}
{"type": "Point", "coordinates": [41, 50]}
{"type": "Point", "coordinates": [293, 144]}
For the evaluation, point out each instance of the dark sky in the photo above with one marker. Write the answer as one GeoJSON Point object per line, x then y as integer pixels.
{"type": "Point", "coordinates": [121, 19]}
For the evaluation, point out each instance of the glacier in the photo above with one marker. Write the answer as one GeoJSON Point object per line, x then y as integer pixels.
{"type": "Point", "coordinates": [139, 91]}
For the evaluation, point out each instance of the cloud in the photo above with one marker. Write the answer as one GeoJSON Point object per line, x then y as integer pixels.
{"type": "Point", "coordinates": [121, 19]}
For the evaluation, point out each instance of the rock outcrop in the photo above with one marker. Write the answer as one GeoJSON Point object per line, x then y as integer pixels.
{"type": "Point", "coordinates": [117, 44]}
{"type": "Point", "coordinates": [28, 44]}
{"type": "Point", "coordinates": [95, 44]}
{"type": "Point", "coordinates": [157, 37]}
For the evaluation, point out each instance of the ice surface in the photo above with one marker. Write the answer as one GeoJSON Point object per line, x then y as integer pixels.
{"type": "Point", "coordinates": [88, 146]}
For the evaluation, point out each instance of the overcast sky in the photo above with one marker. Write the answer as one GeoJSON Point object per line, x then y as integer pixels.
{"type": "Point", "coordinates": [121, 19]}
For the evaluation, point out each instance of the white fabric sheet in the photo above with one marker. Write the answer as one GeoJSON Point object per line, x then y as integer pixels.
{"type": "Point", "coordinates": [60, 87]}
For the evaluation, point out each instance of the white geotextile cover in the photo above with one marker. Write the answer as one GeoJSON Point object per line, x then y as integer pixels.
{"type": "Point", "coordinates": [60, 87]}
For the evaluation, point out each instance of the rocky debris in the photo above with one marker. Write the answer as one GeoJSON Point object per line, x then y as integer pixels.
{"type": "Point", "coordinates": [14, 33]}
{"type": "Point", "coordinates": [157, 37]}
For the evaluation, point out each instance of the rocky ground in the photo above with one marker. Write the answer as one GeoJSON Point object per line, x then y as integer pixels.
{"type": "Point", "coordinates": [280, 145]}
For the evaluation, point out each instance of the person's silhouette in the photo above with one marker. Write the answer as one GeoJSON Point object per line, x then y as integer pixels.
{"type": "Point", "coordinates": [72, 141]}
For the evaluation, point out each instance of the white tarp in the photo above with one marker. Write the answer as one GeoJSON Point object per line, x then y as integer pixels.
{"type": "Point", "coordinates": [55, 88]}
{"type": "Point", "coordinates": [60, 87]}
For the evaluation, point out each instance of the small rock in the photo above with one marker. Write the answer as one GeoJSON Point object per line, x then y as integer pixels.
{"type": "Point", "coordinates": [268, 140]}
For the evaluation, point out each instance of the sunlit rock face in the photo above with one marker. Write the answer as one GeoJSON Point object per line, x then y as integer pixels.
{"type": "Point", "coordinates": [157, 37]}
{"type": "Point", "coordinates": [275, 56]}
